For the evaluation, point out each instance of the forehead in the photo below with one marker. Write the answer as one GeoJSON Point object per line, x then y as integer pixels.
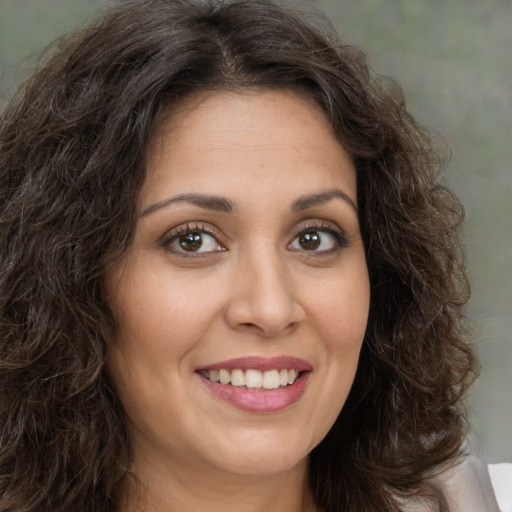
{"type": "Point", "coordinates": [217, 140]}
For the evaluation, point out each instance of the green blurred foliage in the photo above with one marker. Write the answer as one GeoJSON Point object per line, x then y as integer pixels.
{"type": "Point", "coordinates": [453, 60]}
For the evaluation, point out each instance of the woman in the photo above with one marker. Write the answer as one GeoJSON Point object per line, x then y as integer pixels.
{"type": "Point", "coordinates": [231, 278]}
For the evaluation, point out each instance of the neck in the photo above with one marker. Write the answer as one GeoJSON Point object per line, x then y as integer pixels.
{"type": "Point", "coordinates": [166, 490]}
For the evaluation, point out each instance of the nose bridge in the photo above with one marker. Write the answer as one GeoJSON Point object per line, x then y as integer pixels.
{"type": "Point", "coordinates": [264, 296]}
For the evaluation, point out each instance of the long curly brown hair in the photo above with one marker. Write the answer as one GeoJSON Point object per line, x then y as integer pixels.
{"type": "Point", "coordinates": [72, 160]}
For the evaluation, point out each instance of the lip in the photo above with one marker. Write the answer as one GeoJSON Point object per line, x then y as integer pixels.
{"type": "Point", "coordinates": [259, 401]}
{"type": "Point", "coordinates": [260, 363]}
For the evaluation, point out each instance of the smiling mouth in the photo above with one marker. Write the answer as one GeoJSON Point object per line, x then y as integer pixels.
{"type": "Point", "coordinates": [252, 379]}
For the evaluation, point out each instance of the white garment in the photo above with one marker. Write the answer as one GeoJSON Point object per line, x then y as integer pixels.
{"type": "Point", "coordinates": [467, 487]}
{"type": "Point", "coordinates": [501, 479]}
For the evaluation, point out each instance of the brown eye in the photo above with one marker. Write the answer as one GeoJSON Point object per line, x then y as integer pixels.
{"type": "Point", "coordinates": [318, 240]}
{"type": "Point", "coordinates": [191, 241]}
{"type": "Point", "coordinates": [309, 240]}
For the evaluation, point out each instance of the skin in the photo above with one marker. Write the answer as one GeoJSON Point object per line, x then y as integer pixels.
{"type": "Point", "coordinates": [252, 290]}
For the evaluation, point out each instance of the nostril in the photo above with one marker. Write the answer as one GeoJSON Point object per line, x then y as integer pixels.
{"type": "Point", "coordinates": [263, 317]}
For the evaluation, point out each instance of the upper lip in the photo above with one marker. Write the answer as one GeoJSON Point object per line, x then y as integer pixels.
{"type": "Point", "coordinates": [260, 363]}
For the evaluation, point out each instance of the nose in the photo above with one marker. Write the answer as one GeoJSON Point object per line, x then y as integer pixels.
{"type": "Point", "coordinates": [263, 299]}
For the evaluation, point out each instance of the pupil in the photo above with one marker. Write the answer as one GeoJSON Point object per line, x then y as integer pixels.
{"type": "Point", "coordinates": [191, 241]}
{"type": "Point", "coordinates": [310, 240]}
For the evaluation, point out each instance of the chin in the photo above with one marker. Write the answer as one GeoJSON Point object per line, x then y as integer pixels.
{"type": "Point", "coordinates": [264, 465]}
{"type": "Point", "coordinates": [263, 454]}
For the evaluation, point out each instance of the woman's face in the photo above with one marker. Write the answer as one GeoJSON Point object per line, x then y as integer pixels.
{"type": "Point", "coordinates": [247, 266]}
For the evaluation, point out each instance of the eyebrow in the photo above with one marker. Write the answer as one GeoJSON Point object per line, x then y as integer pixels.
{"type": "Point", "coordinates": [221, 204]}
{"type": "Point", "coordinates": [208, 202]}
{"type": "Point", "coordinates": [311, 200]}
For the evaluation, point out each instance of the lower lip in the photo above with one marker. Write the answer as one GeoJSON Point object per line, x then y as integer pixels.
{"type": "Point", "coordinates": [262, 400]}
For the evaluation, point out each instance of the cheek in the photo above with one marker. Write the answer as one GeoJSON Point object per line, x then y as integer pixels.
{"type": "Point", "coordinates": [341, 312]}
{"type": "Point", "coordinates": [159, 324]}
{"type": "Point", "coordinates": [160, 317]}
{"type": "Point", "coordinates": [341, 315]}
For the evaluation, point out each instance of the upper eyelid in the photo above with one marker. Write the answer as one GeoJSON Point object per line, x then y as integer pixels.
{"type": "Point", "coordinates": [329, 227]}
{"type": "Point", "coordinates": [187, 227]}
{"type": "Point", "coordinates": [312, 224]}
{"type": "Point", "coordinates": [320, 225]}
{"type": "Point", "coordinates": [171, 234]}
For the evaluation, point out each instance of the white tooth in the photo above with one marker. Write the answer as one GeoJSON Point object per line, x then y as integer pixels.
{"type": "Point", "coordinates": [283, 377]}
{"type": "Point", "coordinates": [253, 379]}
{"type": "Point", "coordinates": [237, 378]}
{"type": "Point", "coordinates": [271, 379]}
{"type": "Point", "coordinates": [292, 376]}
{"type": "Point", "coordinates": [213, 375]}
{"type": "Point", "coordinates": [224, 376]}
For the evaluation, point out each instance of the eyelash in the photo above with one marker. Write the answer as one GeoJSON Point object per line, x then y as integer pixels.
{"type": "Point", "coordinates": [175, 233]}
{"type": "Point", "coordinates": [319, 226]}
{"type": "Point", "coordinates": [323, 227]}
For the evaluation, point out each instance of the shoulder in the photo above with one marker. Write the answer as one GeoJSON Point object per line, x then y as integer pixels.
{"type": "Point", "coordinates": [501, 478]}
{"type": "Point", "coordinates": [467, 487]}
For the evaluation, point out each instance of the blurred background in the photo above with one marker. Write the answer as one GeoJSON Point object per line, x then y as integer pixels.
{"type": "Point", "coordinates": [453, 59]}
